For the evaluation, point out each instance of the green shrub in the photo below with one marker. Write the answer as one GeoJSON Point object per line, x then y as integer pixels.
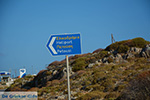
{"type": "Point", "coordinates": [28, 76]}
{"type": "Point", "coordinates": [136, 42]}
{"type": "Point", "coordinates": [95, 87]}
{"type": "Point", "coordinates": [101, 54]}
{"type": "Point", "coordinates": [86, 82]}
{"type": "Point", "coordinates": [141, 60]}
{"type": "Point", "coordinates": [79, 64]}
{"type": "Point", "coordinates": [98, 77]}
{"type": "Point", "coordinates": [18, 80]}
{"type": "Point", "coordinates": [90, 60]}
{"type": "Point", "coordinates": [113, 46]}
{"type": "Point", "coordinates": [139, 42]}
{"type": "Point", "coordinates": [122, 48]}
{"type": "Point", "coordinates": [114, 67]}
{"type": "Point", "coordinates": [108, 84]}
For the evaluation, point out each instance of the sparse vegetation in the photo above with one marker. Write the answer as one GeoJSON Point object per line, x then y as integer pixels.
{"type": "Point", "coordinates": [138, 88]}
{"type": "Point", "coordinates": [136, 42]}
{"type": "Point", "coordinates": [110, 60]}
{"type": "Point", "coordinates": [139, 42]}
{"type": "Point", "coordinates": [92, 95]}
{"type": "Point", "coordinates": [103, 54]}
{"type": "Point", "coordinates": [122, 48]}
{"type": "Point", "coordinates": [79, 64]}
{"type": "Point", "coordinates": [124, 80]}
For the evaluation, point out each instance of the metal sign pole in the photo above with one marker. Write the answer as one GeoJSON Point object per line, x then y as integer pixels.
{"type": "Point", "coordinates": [65, 44]}
{"type": "Point", "coordinates": [68, 80]}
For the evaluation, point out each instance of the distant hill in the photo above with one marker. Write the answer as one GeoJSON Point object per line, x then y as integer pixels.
{"type": "Point", "coordinates": [120, 71]}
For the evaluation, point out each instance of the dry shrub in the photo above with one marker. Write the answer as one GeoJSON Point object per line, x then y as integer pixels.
{"type": "Point", "coordinates": [33, 89]}
{"type": "Point", "coordinates": [98, 50]}
{"type": "Point", "coordinates": [48, 83]}
{"type": "Point", "coordinates": [112, 96]}
{"type": "Point", "coordinates": [55, 63]}
{"type": "Point", "coordinates": [80, 72]}
{"type": "Point", "coordinates": [94, 95]}
{"type": "Point", "coordinates": [138, 89]}
{"type": "Point", "coordinates": [55, 82]}
{"type": "Point", "coordinates": [52, 83]}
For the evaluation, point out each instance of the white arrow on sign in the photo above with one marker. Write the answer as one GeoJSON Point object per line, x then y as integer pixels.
{"type": "Point", "coordinates": [51, 45]}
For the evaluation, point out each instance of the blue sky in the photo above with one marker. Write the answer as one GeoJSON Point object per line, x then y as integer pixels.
{"type": "Point", "coordinates": [26, 25]}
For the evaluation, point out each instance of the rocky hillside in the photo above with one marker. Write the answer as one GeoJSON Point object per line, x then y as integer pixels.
{"type": "Point", "coordinates": [121, 71]}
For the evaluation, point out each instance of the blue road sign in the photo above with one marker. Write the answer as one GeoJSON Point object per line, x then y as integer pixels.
{"type": "Point", "coordinates": [64, 44]}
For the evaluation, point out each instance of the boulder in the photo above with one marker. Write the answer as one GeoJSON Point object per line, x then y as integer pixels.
{"type": "Point", "coordinates": [118, 58]}
{"type": "Point", "coordinates": [146, 51]}
{"type": "Point", "coordinates": [135, 49]}
{"type": "Point", "coordinates": [128, 55]}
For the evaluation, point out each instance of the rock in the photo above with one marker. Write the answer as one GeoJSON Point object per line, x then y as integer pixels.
{"type": "Point", "coordinates": [91, 65]}
{"type": "Point", "coordinates": [148, 45]}
{"type": "Point", "coordinates": [98, 63]}
{"type": "Point", "coordinates": [109, 52]}
{"type": "Point", "coordinates": [135, 49]}
{"type": "Point", "coordinates": [106, 72]}
{"type": "Point", "coordinates": [124, 61]}
{"type": "Point", "coordinates": [115, 52]}
{"type": "Point", "coordinates": [111, 56]}
{"type": "Point", "coordinates": [106, 63]}
{"type": "Point", "coordinates": [61, 73]}
{"type": "Point", "coordinates": [73, 92]}
{"type": "Point", "coordinates": [62, 97]}
{"type": "Point", "coordinates": [54, 72]}
{"type": "Point", "coordinates": [118, 58]}
{"type": "Point", "coordinates": [90, 90]}
{"type": "Point", "coordinates": [104, 59]}
{"type": "Point", "coordinates": [146, 51]}
{"type": "Point", "coordinates": [100, 60]}
{"type": "Point", "coordinates": [128, 55]}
